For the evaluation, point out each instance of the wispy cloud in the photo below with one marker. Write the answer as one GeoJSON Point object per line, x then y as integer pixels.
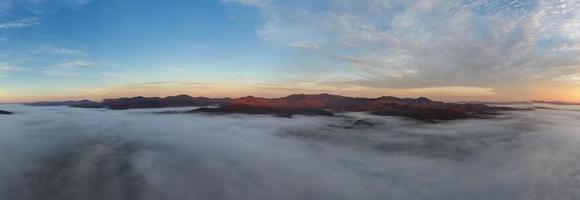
{"type": "Point", "coordinates": [77, 64]}
{"type": "Point", "coordinates": [19, 23]}
{"type": "Point", "coordinates": [70, 68]}
{"type": "Point", "coordinates": [78, 2]}
{"type": "Point", "coordinates": [49, 49]}
{"type": "Point", "coordinates": [7, 69]}
{"type": "Point", "coordinates": [62, 51]}
{"type": "Point", "coordinates": [39, 7]}
{"type": "Point", "coordinates": [432, 43]}
{"type": "Point", "coordinates": [259, 3]}
{"type": "Point", "coordinates": [4, 68]}
{"type": "Point", "coordinates": [61, 72]}
{"type": "Point", "coordinates": [306, 45]}
{"type": "Point", "coordinates": [573, 79]}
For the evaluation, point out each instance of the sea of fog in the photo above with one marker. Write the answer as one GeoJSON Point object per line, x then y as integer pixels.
{"type": "Point", "coordinates": [50, 153]}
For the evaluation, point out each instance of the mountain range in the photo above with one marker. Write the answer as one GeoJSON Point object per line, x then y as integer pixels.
{"type": "Point", "coordinates": [300, 104]}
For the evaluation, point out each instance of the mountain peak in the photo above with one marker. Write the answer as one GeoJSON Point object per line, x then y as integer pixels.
{"type": "Point", "coordinates": [424, 99]}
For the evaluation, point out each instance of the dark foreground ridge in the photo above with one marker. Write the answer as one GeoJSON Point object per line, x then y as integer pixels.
{"type": "Point", "coordinates": [302, 104]}
{"type": "Point", "coordinates": [2, 112]}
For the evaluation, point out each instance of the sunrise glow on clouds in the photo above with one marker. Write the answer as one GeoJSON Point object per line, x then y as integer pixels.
{"type": "Point", "coordinates": [500, 50]}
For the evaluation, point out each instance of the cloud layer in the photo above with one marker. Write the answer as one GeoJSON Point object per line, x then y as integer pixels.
{"type": "Point", "coordinates": [139, 154]}
{"type": "Point", "coordinates": [432, 43]}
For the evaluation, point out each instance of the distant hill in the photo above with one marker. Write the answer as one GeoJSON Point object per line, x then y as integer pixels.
{"type": "Point", "coordinates": [498, 102]}
{"type": "Point", "coordinates": [301, 104]}
{"type": "Point", "coordinates": [83, 104]}
{"type": "Point", "coordinates": [157, 102]}
{"type": "Point", "coordinates": [522, 102]}
{"type": "Point", "coordinates": [2, 112]}
{"type": "Point", "coordinates": [557, 103]}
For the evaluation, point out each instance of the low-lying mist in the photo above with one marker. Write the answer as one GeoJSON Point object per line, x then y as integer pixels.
{"type": "Point", "coordinates": [67, 153]}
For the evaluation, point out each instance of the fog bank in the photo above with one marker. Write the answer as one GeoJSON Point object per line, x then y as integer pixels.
{"type": "Point", "coordinates": [68, 153]}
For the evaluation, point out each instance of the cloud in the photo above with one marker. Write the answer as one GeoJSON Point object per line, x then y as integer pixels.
{"type": "Point", "coordinates": [4, 68]}
{"type": "Point", "coordinates": [39, 7]}
{"type": "Point", "coordinates": [49, 49]}
{"type": "Point", "coordinates": [257, 3]}
{"type": "Point", "coordinates": [78, 2]}
{"type": "Point", "coordinates": [306, 45]}
{"type": "Point", "coordinates": [19, 23]}
{"type": "Point", "coordinates": [61, 72]}
{"type": "Point", "coordinates": [432, 43]}
{"type": "Point", "coordinates": [9, 69]}
{"type": "Point", "coordinates": [70, 68]}
{"type": "Point", "coordinates": [77, 64]}
{"type": "Point", "coordinates": [69, 153]}
{"type": "Point", "coordinates": [573, 79]}
{"type": "Point", "coordinates": [62, 51]}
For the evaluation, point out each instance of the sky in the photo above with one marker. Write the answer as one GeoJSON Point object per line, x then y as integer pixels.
{"type": "Point", "coordinates": [451, 50]}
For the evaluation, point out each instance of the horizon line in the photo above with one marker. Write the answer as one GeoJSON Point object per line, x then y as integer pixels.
{"type": "Point", "coordinates": [282, 96]}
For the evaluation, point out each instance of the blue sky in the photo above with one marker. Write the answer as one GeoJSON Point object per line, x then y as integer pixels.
{"type": "Point", "coordinates": [68, 44]}
{"type": "Point", "coordinates": [445, 49]}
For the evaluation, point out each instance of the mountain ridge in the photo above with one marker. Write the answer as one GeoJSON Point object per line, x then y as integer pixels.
{"type": "Point", "coordinates": [301, 104]}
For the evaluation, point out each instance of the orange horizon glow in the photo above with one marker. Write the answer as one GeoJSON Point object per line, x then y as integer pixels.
{"type": "Point", "coordinates": [448, 94]}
